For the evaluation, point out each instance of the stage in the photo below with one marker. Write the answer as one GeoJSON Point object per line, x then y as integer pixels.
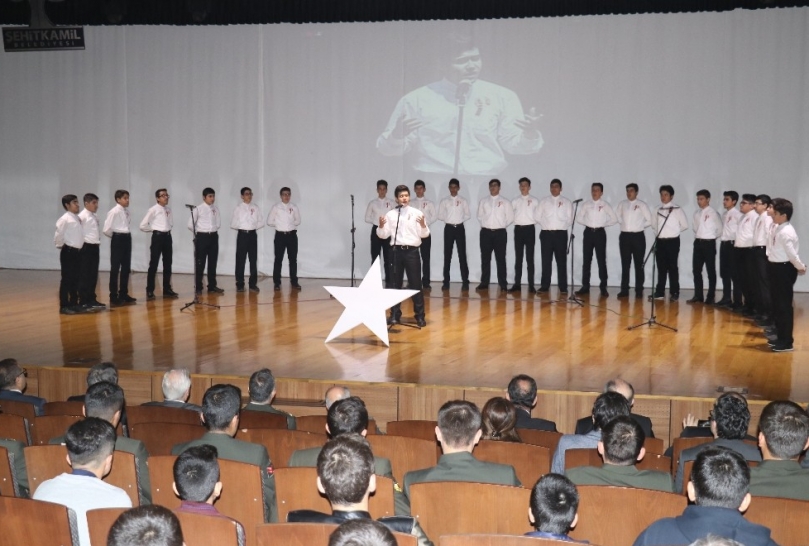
{"type": "Point", "coordinates": [471, 340]}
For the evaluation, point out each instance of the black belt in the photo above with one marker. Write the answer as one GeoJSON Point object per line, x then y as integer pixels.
{"type": "Point", "coordinates": [728, 242]}
{"type": "Point", "coordinates": [70, 248]}
{"type": "Point", "coordinates": [555, 230]}
{"type": "Point", "coordinates": [247, 231]}
{"type": "Point", "coordinates": [595, 228]}
{"type": "Point", "coordinates": [404, 247]}
{"type": "Point", "coordinates": [207, 233]}
{"type": "Point", "coordinates": [91, 244]}
{"type": "Point", "coordinates": [705, 240]}
{"type": "Point", "coordinates": [493, 229]}
{"type": "Point", "coordinates": [762, 247]}
{"type": "Point", "coordinates": [287, 232]}
{"type": "Point", "coordinates": [119, 234]}
{"type": "Point", "coordinates": [632, 232]}
{"type": "Point", "coordinates": [156, 232]}
{"type": "Point", "coordinates": [455, 225]}
{"type": "Point", "coordinates": [523, 226]}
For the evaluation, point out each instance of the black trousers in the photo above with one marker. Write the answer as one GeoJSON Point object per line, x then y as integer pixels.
{"type": "Point", "coordinates": [763, 302]}
{"type": "Point", "coordinates": [455, 234]}
{"type": "Point", "coordinates": [632, 245]}
{"type": "Point", "coordinates": [553, 246]}
{"type": "Point", "coordinates": [381, 246]}
{"type": "Point", "coordinates": [493, 240]}
{"type": "Point", "coordinates": [744, 266]}
{"type": "Point", "coordinates": [70, 263]}
{"type": "Point", "coordinates": [89, 272]}
{"type": "Point", "coordinates": [424, 251]}
{"type": "Point", "coordinates": [246, 249]}
{"type": "Point", "coordinates": [286, 242]}
{"type": "Point", "coordinates": [783, 276]}
{"type": "Point", "coordinates": [406, 260]}
{"type": "Point", "coordinates": [161, 246]}
{"type": "Point", "coordinates": [524, 240]}
{"type": "Point", "coordinates": [668, 254]}
{"type": "Point", "coordinates": [595, 239]}
{"type": "Point", "coordinates": [728, 271]}
{"type": "Point", "coordinates": [206, 249]}
{"type": "Point", "coordinates": [120, 263]}
{"type": "Point", "coordinates": [704, 254]}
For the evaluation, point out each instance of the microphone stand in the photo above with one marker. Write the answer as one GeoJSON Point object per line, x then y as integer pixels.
{"type": "Point", "coordinates": [460, 95]}
{"type": "Point", "coordinates": [395, 277]}
{"type": "Point", "coordinates": [196, 300]}
{"type": "Point", "coordinates": [571, 249]}
{"type": "Point", "coordinates": [652, 320]}
{"type": "Point", "coordinates": [353, 243]}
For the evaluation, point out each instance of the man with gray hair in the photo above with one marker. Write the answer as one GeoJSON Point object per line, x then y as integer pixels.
{"type": "Point", "coordinates": [585, 424]}
{"type": "Point", "coordinates": [335, 393]}
{"type": "Point", "coordinates": [262, 393]}
{"type": "Point", "coordinates": [176, 390]}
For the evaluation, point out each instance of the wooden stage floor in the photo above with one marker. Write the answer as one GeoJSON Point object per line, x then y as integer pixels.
{"type": "Point", "coordinates": [471, 340]}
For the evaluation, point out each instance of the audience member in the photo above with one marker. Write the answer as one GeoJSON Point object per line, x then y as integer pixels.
{"type": "Point", "coordinates": [553, 508]}
{"type": "Point", "coordinates": [784, 434]}
{"type": "Point", "coordinates": [361, 532]}
{"type": "Point", "coordinates": [90, 448]}
{"type": "Point", "coordinates": [146, 526]}
{"type": "Point", "coordinates": [335, 393]}
{"type": "Point", "coordinates": [345, 474]}
{"type": "Point", "coordinates": [729, 421]}
{"type": "Point", "coordinates": [499, 421]}
{"type": "Point", "coordinates": [104, 371]}
{"type": "Point", "coordinates": [196, 481]}
{"type": "Point", "coordinates": [607, 407]}
{"type": "Point", "coordinates": [719, 489]}
{"type": "Point", "coordinates": [176, 391]}
{"type": "Point", "coordinates": [15, 451]}
{"type": "Point", "coordinates": [585, 424]}
{"type": "Point", "coordinates": [522, 392]}
{"type": "Point", "coordinates": [262, 393]}
{"type": "Point", "coordinates": [621, 445]}
{"type": "Point", "coordinates": [13, 381]}
{"type": "Point", "coordinates": [458, 432]}
{"type": "Point", "coordinates": [220, 413]}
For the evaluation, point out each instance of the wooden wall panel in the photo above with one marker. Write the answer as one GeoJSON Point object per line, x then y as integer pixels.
{"type": "Point", "coordinates": [659, 411]}
{"type": "Point", "coordinates": [565, 408]}
{"type": "Point", "coordinates": [417, 402]}
{"type": "Point", "coordinates": [381, 401]}
{"type": "Point", "coordinates": [137, 386]}
{"type": "Point", "coordinates": [480, 396]}
{"type": "Point", "coordinates": [56, 384]}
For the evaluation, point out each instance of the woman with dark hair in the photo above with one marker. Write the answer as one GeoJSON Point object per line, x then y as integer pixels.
{"type": "Point", "coordinates": [499, 421]}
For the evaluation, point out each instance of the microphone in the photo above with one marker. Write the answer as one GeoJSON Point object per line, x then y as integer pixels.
{"type": "Point", "coordinates": [578, 201]}
{"type": "Point", "coordinates": [461, 92]}
{"type": "Point", "coordinates": [352, 198]}
{"type": "Point", "coordinates": [399, 206]}
{"type": "Point", "coordinates": [192, 207]}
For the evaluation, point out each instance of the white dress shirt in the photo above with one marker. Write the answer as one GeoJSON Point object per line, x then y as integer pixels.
{"type": "Point", "coordinates": [762, 229]}
{"type": "Point", "coordinates": [633, 216]}
{"type": "Point", "coordinates": [454, 210]}
{"type": "Point", "coordinates": [89, 222]}
{"type": "Point", "coordinates": [676, 223]}
{"type": "Point", "coordinates": [730, 223]}
{"type": "Point", "coordinates": [378, 208]}
{"type": "Point", "coordinates": [158, 218]}
{"type": "Point", "coordinates": [247, 216]}
{"type": "Point", "coordinates": [409, 232]}
{"type": "Point", "coordinates": [69, 231]}
{"type": "Point", "coordinates": [427, 207]}
{"type": "Point", "coordinates": [117, 221]}
{"type": "Point", "coordinates": [597, 214]}
{"type": "Point", "coordinates": [555, 213]}
{"type": "Point", "coordinates": [207, 217]}
{"type": "Point", "coordinates": [495, 212]}
{"type": "Point", "coordinates": [525, 209]}
{"type": "Point", "coordinates": [744, 232]}
{"type": "Point", "coordinates": [284, 217]}
{"type": "Point", "coordinates": [707, 224]}
{"type": "Point", "coordinates": [784, 246]}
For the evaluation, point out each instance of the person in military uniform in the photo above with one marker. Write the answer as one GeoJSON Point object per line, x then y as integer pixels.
{"type": "Point", "coordinates": [346, 475]}
{"type": "Point", "coordinates": [458, 432]}
{"type": "Point", "coordinates": [783, 435]}
{"type": "Point", "coordinates": [262, 393]}
{"type": "Point", "coordinates": [621, 446]}
{"type": "Point", "coordinates": [220, 413]}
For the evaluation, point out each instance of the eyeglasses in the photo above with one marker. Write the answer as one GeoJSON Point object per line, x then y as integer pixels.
{"type": "Point", "coordinates": [23, 372]}
{"type": "Point", "coordinates": [248, 193]}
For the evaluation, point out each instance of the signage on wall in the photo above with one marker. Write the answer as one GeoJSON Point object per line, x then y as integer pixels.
{"type": "Point", "coordinates": [43, 39]}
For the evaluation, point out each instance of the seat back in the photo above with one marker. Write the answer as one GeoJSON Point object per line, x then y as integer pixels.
{"type": "Point", "coordinates": [282, 443]}
{"type": "Point", "coordinates": [317, 424]}
{"type": "Point", "coordinates": [405, 454]}
{"type": "Point", "coordinates": [99, 522]}
{"type": "Point", "coordinates": [582, 457]}
{"type": "Point", "coordinates": [543, 438]}
{"type": "Point", "coordinates": [617, 515]}
{"type": "Point", "coordinates": [296, 489]}
{"type": "Point", "coordinates": [8, 481]}
{"type": "Point", "coordinates": [262, 419]}
{"type": "Point", "coordinates": [23, 409]}
{"type": "Point", "coordinates": [136, 415]}
{"type": "Point", "coordinates": [680, 444]}
{"type": "Point", "coordinates": [529, 461]}
{"type": "Point", "coordinates": [35, 522]}
{"type": "Point", "coordinates": [14, 427]}
{"type": "Point", "coordinates": [309, 534]}
{"type": "Point", "coordinates": [45, 428]}
{"type": "Point", "coordinates": [786, 518]}
{"type": "Point", "coordinates": [159, 438]}
{"type": "Point", "coordinates": [445, 508]}
{"type": "Point", "coordinates": [423, 430]}
{"type": "Point", "coordinates": [161, 478]}
{"type": "Point", "coordinates": [654, 445]}
{"type": "Point", "coordinates": [64, 408]}
{"type": "Point", "coordinates": [498, 540]}
{"type": "Point", "coordinates": [202, 529]}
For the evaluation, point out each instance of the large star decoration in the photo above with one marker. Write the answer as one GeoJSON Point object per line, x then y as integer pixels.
{"type": "Point", "coordinates": [366, 304]}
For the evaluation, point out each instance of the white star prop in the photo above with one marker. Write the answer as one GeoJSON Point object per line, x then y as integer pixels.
{"type": "Point", "coordinates": [366, 304]}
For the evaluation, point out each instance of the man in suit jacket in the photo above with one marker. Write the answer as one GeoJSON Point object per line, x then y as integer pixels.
{"type": "Point", "coordinates": [104, 371]}
{"type": "Point", "coordinates": [262, 392]}
{"type": "Point", "coordinates": [458, 432]}
{"type": "Point", "coordinates": [522, 391]}
{"type": "Point", "coordinates": [621, 445]}
{"type": "Point", "coordinates": [784, 434]}
{"type": "Point", "coordinates": [585, 424]}
{"type": "Point", "coordinates": [176, 390]}
{"type": "Point", "coordinates": [13, 381]}
{"type": "Point", "coordinates": [220, 413]}
{"type": "Point", "coordinates": [729, 421]}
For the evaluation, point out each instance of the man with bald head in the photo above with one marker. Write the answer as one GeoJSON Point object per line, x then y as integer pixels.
{"type": "Point", "coordinates": [335, 393]}
{"type": "Point", "coordinates": [176, 390]}
{"type": "Point", "coordinates": [522, 392]}
{"type": "Point", "coordinates": [585, 424]}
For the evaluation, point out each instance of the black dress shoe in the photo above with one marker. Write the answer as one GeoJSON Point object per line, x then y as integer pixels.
{"type": "Point", "coordinates": [421, 322]}
{"type": "Point", "coordinates": [515, 288]}
{"type": "Point", "coordinates": [723, 302]}
{"type": "Point", "coordinates": [674, 297]}
{"type": "Point", "coordinates": [170, 294]}
{"type": "Point", "coordinates": [783, 348]}
{"type": "Point", "coordinates": [277, 287]}
{"type": "Point", "coordinates": [126, 300]}
{"type": "Point", "coordinates": [445, 286]}
{"type": "Point", "coordinates": [482, 287]}
{"type": "Point", "coordinates": [532, 290]}
{"type": "Point", "coordinates": [582, 291]}
{"type": "Point", "coordinates": [393, 320]}
{"type": "Point", "coordinates": [638, 293]}
{"type": "Point", "coordinates": [623, 294]}
{"type": "Point", "coordinates": [464, 287]}
{"type": "Point", "coordinates": [427, 287]}
{"type": "Point", "coordinates": [543, 289]}
{"type": "Point", "coordinates": [216, 290]}
{"type": "Point", "coordinates": [240, 289]}
{"type": "Point", "coordinates": [297, 287]}
{"type": "Point", "coordinates": [709, 300]}
{"type": "Point", "coordinates": [604, 293]}
{"type": "Point", "coordinates": [67, 311]}
{"type": "Point", "coordinates": [149, 296]}
{"type": "Point", "coordinates": [695, 300]}
{"type": "Point", "coordinates": [254, 289]}
{"type": "Point", "coordinates": [504, 287]}
{"type": "Point", "coordinates": [95, 304]}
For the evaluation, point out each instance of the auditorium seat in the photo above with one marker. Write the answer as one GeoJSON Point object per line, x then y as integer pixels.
{"type": "Point", "coordinates": [99, 522]}
{"type": "Point", "coordinates": [44, 429]}
{"type": "Point", "coordinates": [201, 529]}
{"type": "Point", "coordinates": [542, 438]}
{"type": "Point", "coordinates": [282, 443]}
{"type": "Point", "coordinates": [36, 522]}
{"type": "Point", "coordinates": [64, 408]}
{"type": "Point", "coordinates": [15, 427]}
{"type": "Point", "coordinates": [23, 409]}
{"type": "Point", "coordinates": [261, 419]}
{"type": "Point", "coordinates": [309, 534]}
{"type": "Point", "coordinates": [136, 415]}
{"type": "Point", "coordinates": [159, 438]}
{"type": "Point", "coordinates": [654, 445]}
{"type": "Point", "coordinates": [590, 457]}
{"type": "Point", "coordinates": [424, 430]}
{"type": "Point", "coordinates": [8, 481]}
{"type": "Point", "coordinates": [498, 540]}
{"type": "Point", "coordinates": [680, 444]}
{"type": "Point", "coordinates": [529, 461]}
{"type": "Point", "coordinates": [788, 519]}
{"type": "Point", "coordinates": [405, 454]}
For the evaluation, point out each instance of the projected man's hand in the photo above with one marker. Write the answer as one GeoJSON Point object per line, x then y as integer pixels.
{"type": "Point", "coordinates": [530, 127]}
{"type": "Point", "coordinates": [405, 126]}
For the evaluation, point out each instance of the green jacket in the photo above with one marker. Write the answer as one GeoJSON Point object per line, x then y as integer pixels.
{"type": "Point", "coordinates": [291, 425]}
{"type": "Point", "coordinates": [15, 450]}
{"type": "Point", "coordinates": [784, 479]}
{"type": "Point", "coordinates": [621, 476]}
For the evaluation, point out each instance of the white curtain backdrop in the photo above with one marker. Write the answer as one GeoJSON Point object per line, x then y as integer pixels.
{"type": "Point", "coordinates": [703, 100]}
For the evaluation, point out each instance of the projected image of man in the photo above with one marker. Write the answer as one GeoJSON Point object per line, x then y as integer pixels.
{"type": "Point", "coordinates": [460, 125]}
